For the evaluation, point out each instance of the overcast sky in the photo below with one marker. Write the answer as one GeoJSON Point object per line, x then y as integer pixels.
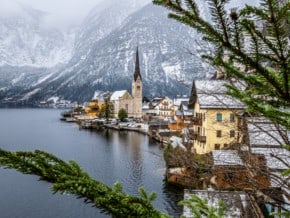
{"type": "Point", "coordinates": [62, 12]}
{"type": "Point", "coordinates": [66, 13]}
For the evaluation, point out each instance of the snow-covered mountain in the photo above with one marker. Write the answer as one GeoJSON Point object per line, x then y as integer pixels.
{"type": "Point", "coordinates": [24, 41]}
{"type": "Point", "coordinates": [101, 21]}
{"type": "Point", "coordinates": [105, 55]}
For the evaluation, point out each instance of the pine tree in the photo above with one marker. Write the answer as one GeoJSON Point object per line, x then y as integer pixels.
{"type": "Point", "coordinates": [68, 177]}
{"type": "Point", "coordinates": [251, 46]}
{"type": "Point", "coordinates": [122, 114]}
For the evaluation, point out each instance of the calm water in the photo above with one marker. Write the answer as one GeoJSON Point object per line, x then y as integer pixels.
{"type": "Point", "coordinates": [128, 157]}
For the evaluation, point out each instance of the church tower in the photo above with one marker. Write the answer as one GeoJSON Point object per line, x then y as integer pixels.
{"type": "Point", "coordinates": [137, 89]}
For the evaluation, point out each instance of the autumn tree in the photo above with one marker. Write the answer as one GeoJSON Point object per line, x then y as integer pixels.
{"type": "Point", "coordinates": [107, 110]}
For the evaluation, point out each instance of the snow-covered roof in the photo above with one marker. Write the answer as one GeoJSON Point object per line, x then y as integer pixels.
{"type": "Point", "coordinates": [226, 158]}
{"type": "Point", "coordinates": [100, 95]}
{"type": "Point", "coordinates": [219, 101]}
{"type": "Point", "coordinates": [178, 101]}
{"type": "Point", "coordinates": [188, 112]}
{"type": "Point", "coordinates": [274, 156]}
{"type": "Point", "coordinates": [237, 203]}
{"type": "Point", "coordinates": [212, 94]}
{"type": "Point", "coordinates": [210, 86]}
{"type": "Point", "coordinates": [176, 142]}
{"type": "Point", "coordinates": [178, 113]}
{"type": "Point", "coordinates": [264, 133]}
{"type": "Point", "coordinates": [145, 106]}
{"type": "Point", "coordinates": [184, 105]}
{"type": "Point", "coordinates": [117, 94]}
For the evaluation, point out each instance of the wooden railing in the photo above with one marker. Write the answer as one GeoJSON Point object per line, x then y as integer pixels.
{"type": "Point", "coordinates": [201, 138]}
{"type": "Point", "coordinates": [197, 121]}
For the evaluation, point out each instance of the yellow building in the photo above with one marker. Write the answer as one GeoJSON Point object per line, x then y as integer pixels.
{"type": "Point", "coordinates": [93, 108]}
{"type": "Point", "coordinates": [216, 119]}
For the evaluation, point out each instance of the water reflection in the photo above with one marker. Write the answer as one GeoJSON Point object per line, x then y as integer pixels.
{"type": "Point", "coordinates": [108, 156]}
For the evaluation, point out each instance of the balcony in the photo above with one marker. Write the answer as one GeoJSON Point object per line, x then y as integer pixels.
{"type": "Point", "coordinates": [201, 138]}
{"type": "Point", "coordinates": [197, 121]}
{"type": "Point", "coordinates": [193, 136]}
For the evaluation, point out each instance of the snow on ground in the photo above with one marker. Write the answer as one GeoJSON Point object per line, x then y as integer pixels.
{"type": "Point", "coordinates": [29, 94]}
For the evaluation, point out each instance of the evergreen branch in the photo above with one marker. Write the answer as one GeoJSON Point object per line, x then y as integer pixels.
{"type": "Point", "coordinates": [70, 178]}
{"type": "Point", "coordinates": [187, 17]}
{"type": "Point", "coordinates": [200, 207]}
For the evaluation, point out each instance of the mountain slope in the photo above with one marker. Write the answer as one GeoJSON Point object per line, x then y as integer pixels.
{"type": "Point", "coordinates": [165, 59]}
{"type": "Point", "coordinates": [169, 57]}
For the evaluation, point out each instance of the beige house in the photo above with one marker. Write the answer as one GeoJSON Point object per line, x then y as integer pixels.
{"type": "Point", "coordinates": [216, 120]}
{"type": "Point", "coordinates": [132, 103]}
{"type": "Point", "coordinates": [164, 107]}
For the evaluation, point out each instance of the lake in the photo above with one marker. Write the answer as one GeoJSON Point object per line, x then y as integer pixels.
{"type": "Point", "coordinates": [108, 156]}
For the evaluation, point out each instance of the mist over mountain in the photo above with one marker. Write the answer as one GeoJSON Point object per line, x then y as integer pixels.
{"type": "Point", "coordinates": [102, 56]}
{"type": "Point", "coordinates": [24, 40]}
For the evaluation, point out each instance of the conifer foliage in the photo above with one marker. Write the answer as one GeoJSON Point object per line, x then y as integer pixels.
{"type": "Point", "coordinates": [252, 46]}
{"type": "Point", "coordinates": [68, 177]}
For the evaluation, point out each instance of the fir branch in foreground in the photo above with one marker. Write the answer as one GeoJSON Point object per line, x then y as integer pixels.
{"type": "Point", "coordinates": [68, 177]}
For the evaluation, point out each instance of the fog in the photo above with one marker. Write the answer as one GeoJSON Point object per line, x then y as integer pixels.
{"type": "Point", "coordinates": [64, 14]}
{"type": "Point", "coordinates": [58, 13]}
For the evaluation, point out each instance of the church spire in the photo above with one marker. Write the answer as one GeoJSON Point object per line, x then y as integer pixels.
{"type": "Point", "coordinates": [137, 67]}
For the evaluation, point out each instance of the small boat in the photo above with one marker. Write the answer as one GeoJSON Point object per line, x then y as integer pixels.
{"type": "Point", "coordinates": [70, 119]}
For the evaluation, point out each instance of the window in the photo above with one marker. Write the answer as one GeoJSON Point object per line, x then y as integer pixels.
{"type": "Point", "coordinates": [232, 117]}
{"type": "Point", "coordinates": [229, 176]}
{"type": "Point", "coordinates": [219, 133]}
{"type": "Point", "coordinates": [217, 146]}
{"type": "Point", "coordinates": [232, 133]}
{"type": "Point", "coordinates": [219, 117]}
{"type": "Point", "coordinates": [226, 145]}
{"type": "Point", "coordinates": [126, 107]}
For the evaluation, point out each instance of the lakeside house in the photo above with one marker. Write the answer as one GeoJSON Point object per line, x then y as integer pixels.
{"type": "Point", "coordinates": [255, 170]}
{"type": "Point", "coordinates": [216, 116]}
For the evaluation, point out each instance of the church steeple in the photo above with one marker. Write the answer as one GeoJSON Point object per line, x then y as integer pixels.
{"type": "Point", "coordinates": [137, 67]}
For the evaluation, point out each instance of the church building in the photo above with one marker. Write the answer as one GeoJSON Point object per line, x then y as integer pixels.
{"type": "Point", "coordinates": [132, 103]}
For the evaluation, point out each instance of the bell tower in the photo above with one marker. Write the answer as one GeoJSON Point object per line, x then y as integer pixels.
{"type": "Point", "coordinates": [137, 89]}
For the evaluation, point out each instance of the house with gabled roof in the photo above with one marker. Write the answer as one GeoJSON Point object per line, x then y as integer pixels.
{"type": "Point", "coordinates": [216, 119]}
{"type": "Point", "coordinates": [164, 107]}
{"type": "Point", "coordinates": [263, 133]}
{"type": "Point", "coordinates": [182, 115]}
{"type": "Point", "coordinates": [254, 169]}
{"type": "Point", "coordinates": [231, 170]}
